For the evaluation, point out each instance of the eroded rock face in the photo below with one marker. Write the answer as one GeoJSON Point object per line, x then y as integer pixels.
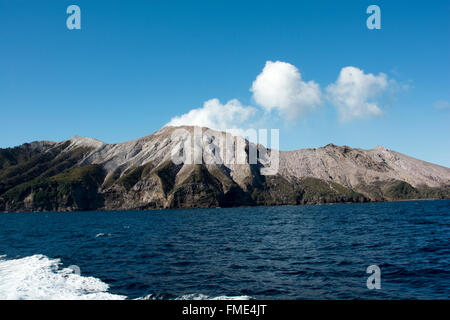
{"type": "Point", "coordinates": [87, 174]}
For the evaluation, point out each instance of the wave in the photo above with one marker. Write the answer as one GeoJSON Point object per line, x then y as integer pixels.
{"type": "Point", "coordinates": [194, 296]}
{"type": "Point", "coordinates": [98, 235]}
{"type": "Point", "coordinates": [39, 278]}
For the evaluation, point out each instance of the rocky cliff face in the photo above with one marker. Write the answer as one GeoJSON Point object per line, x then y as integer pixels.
{"type": "Point", "coordinates": [86, 174]}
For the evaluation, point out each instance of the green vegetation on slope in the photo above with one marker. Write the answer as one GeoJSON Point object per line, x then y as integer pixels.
{"type": "Point", "coordinates": [400, 190]}
{"type": "Point", "coordinates": [278, 190]}
{"type": "Point", "coordinates": [18, 155]}
{"type": "Point", "coordinates": [199, 189]}
{"type": "Point", "coordinates": [46, 164]}
{"type": "Point", "coordinates": [166, 174]}
{"type": "Point", "coordinates": [130, 177]}
{"type": "Point", "coordinates": [74, 189]}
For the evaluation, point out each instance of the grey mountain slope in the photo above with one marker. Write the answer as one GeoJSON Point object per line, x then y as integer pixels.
{"type": "Point", "coordinates": [352, 167]}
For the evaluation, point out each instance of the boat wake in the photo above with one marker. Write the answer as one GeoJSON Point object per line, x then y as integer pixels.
{"type": "Point", "coordinates": [38, 277]}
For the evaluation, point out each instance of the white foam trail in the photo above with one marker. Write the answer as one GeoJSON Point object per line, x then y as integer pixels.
{"type": "Point", "coordinates": [196, 296]}
{"type": "Point", "coordinates": [39, 278]}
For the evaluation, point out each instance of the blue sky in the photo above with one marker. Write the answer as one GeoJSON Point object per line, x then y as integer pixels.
{"type": "Point", "coordinates": [135, 65]}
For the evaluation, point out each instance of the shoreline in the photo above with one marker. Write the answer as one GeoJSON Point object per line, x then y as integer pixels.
{"type": "Point", "coordinates": [232, 207]}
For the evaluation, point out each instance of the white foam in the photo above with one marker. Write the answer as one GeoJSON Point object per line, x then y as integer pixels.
{"type": "Point", "coordinates": [39, 278]}
{"type": "Point", "coordinates": [103, 235]}
{"type": "Point", "coordinates": [199, 296]}
{"type": "Point", "coordinates": [196, 296]}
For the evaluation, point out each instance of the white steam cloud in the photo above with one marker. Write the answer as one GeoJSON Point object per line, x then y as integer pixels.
{"type": "Point", "coordinates": [355, 93]}
{"type": "Point", "coordinates": [280, 86]}
{"type": "Point", "coordinates": [216, 115]}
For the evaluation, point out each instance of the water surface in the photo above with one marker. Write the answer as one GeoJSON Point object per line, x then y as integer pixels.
{"type": "Point", "coordinates": [285, 252]}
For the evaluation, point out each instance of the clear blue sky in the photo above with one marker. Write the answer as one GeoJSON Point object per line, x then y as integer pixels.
{"type": "Point", "coordinates": [136, 64]}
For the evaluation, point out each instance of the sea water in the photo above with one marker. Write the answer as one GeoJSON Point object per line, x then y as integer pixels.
{"type": "Point", "coordinates": [284, 252]}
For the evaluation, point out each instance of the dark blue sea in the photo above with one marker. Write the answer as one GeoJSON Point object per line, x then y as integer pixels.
{"type": "Point", "coordinates": [285, 252]}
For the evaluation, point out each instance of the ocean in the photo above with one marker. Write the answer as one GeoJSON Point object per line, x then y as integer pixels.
{"type": "Point", "coordinates": [283, 252]}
